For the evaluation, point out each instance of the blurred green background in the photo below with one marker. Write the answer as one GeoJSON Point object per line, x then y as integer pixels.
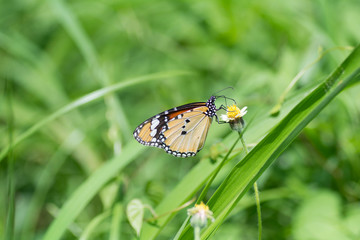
{"type": "Point", "coordinates": [54, 52]}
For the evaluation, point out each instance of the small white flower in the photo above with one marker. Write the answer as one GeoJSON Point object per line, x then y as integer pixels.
{"type": "Point", "coordinates": [200, 215]}
{"type": "Point", "coordinates": [234, 117]}
{"type": "Point", "coordinates": [233, 113]}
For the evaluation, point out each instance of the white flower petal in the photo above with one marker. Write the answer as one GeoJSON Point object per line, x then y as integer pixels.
{"type": "Point", "coordinates": [243, 111]}
{"type": "Point", "coordinates": [224, 118]}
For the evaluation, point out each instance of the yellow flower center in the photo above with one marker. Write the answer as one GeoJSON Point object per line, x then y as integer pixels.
{"type": "Point", "coordinates": [201, 207]}
{"type": "Point", "coordinates": [232, 111]}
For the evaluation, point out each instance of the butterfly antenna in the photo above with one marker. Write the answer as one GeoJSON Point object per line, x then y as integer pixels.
{"type": "Point", "coordinates": [225, 97]}
{"type": "Point", "coordinates": [223, 90]}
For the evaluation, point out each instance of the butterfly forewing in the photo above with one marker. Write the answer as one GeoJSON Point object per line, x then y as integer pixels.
{"type": "Point", "coordinates": [143, 132]}
{"type": "Point", "coordinates": [180, 131]}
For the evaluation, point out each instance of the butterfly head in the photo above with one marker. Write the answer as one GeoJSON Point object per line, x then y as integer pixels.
{"type": "Point", "coordinates": [211, 100]}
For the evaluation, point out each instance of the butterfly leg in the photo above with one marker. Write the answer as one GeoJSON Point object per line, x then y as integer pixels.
{"type": "Point", "coordinates": [216, 117]}
{"type": "Point", "coordinates": [218, 121]}
{"type": "Point", "coordinates": [221, 107]}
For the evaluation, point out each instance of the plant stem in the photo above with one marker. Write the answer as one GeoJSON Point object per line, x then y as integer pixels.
{"type": "Point", "coordinates": [256, 190]}
{"type": "Point", "coordinates": [196, 233]}
{"type": "Point", "coordinates": [217, 170]}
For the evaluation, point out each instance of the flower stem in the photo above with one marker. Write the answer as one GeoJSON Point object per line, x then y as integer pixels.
{"type": "Point", "coordinates": [196, 233]}
{"type": "Point", "coordinates": [217, 170]}
{"type": "Point", "coordinates": [258, 208]}
{"type": "Point", "coordinates": [256, 190]}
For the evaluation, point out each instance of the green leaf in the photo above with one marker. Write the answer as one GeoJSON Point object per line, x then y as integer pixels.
{"type": "Point", "coordinates": [135, 214]}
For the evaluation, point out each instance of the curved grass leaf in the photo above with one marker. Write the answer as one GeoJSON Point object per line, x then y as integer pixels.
{"type": "Point", "coordinates": [246, 172]}
{"type": "Point", "coordinates": [96, 95]}
{"type": "Point", "coordinates": [45, 182]}
{"type": "Point", "coordinates": [86, 191]}
{"type": "Point", "coordinates": [91, 228]}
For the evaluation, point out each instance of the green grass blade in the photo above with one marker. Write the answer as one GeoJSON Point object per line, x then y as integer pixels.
{"type": "Point", "coordinates": [77, 33]}
{"type": "Point", "coordinates": [116, 221]}
{"type": "Point", "coordinates": [91, 228]}
{"type": "Point", "coordinates": [184, 191]}
{"type": "Point", "coordinates": [45, 181]}
{"type": "Point", "coordinates": [70, 22]}
{"type": "Point", "coordinates": [86, 191]}
{"type": "Point", "coordinates": [96, 95]}
{"type": "Point", "coordinates": [245, 173]}
{"type": "Point", "coordinates": [11, 185]}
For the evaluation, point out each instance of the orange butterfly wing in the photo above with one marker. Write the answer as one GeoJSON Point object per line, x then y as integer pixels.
{"type": "Point", "coordinates": [180, 131]}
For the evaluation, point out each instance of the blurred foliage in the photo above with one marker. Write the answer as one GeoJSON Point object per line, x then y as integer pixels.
{"type": "Point", "coordinates": [54, 52]}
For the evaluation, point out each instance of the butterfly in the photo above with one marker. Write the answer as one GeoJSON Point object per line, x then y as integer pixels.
{"type": "Point", "coordinates": [180, 131]}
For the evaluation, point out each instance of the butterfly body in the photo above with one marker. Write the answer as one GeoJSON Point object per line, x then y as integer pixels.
{"type": "Point", "coordinates": [180, 131]}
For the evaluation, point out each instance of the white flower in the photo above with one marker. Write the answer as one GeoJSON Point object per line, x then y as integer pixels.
{"type": "Point", "coordinates": [200, 215]}
{"type": "Point", "coordinates": [234, 117]}
{"type": "Point", "coordinates": [233, 113]}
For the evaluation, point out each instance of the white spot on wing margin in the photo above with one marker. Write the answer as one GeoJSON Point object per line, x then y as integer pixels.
{"type": "Point", "coordinates": [154, 123]}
